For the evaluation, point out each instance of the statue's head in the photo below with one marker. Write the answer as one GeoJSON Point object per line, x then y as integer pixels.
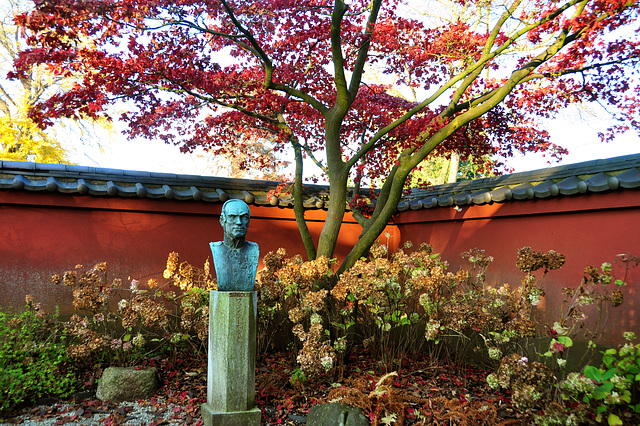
{"type": "Point", "coordinates": [235, 218]}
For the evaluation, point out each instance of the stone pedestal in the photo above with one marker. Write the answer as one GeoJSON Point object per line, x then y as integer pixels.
{"type": "Point", "coordinates": [232, 359]}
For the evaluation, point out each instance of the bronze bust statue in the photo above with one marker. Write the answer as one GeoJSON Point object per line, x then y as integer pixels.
{"type": "Point", "coordinates": [235, 260]}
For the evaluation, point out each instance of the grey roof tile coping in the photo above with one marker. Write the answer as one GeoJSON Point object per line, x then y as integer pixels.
{"type": "Point", "coordinates": [552, 173]}
{"type": "Point", "coordinates": [574, 179]}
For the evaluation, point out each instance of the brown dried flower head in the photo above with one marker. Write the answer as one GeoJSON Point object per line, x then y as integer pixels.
{"type": "Point", "coordinates": [314, 300]}
{"type": "Point", "coordinates": [529, 260]}
{"type": "Point", "coordinates": [69, 278]}
{"type": "Point", "coordinates": [378, 250]}
{"type": "Point", "coordinates": [172, 265]}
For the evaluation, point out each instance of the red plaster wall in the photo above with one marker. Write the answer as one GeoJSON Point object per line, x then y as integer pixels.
{"type": "Point", "coordinates": [45, 233]}
{"type": "Point", "coordinates": [587, 229]}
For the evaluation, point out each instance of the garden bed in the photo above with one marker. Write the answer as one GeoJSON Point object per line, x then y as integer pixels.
{"type": "Point", "coordinates": [431, 393]}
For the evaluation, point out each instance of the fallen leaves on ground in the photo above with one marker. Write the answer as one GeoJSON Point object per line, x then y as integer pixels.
{"type": "Point", "coordinates": [422, 392]}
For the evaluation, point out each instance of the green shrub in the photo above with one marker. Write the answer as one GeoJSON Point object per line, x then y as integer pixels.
{"type": "Point", "coordinates": [614, 388]}
{"type": "Point", "coordinates": [33, 359]}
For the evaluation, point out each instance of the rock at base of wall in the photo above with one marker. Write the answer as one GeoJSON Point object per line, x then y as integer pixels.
{"type": "Point", "coordinates": [119, 384]}
{"type": "Point", "coordinates": [336, 414]}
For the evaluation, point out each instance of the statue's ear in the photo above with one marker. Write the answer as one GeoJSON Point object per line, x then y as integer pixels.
{"type": "Point", "coordinates": [222, 220]}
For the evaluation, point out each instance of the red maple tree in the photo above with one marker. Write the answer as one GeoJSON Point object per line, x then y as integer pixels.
{"type": "Point", "coordinates": [299, 74]}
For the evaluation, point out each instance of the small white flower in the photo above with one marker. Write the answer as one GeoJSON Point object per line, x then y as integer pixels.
{"type": "Point", "coordinates": [327, 363]}
{"type": "Point", "coordinates": [315, 318]}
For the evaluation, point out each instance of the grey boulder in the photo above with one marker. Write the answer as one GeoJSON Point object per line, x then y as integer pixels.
{"type": "Point", "coordinates": [119, 384]}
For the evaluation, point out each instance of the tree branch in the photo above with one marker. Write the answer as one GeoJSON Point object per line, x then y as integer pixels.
{"type": "Point", "coordinates": [363, 51]}
{"type": "Point", "coordinates": [339, 9]}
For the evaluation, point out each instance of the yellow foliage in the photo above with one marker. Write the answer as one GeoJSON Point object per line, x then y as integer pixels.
{"type": "Point", "coordinates": [22, 140]}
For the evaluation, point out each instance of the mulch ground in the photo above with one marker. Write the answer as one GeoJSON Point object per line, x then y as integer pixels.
{"type": "Point", "coordinates": [423, 391]}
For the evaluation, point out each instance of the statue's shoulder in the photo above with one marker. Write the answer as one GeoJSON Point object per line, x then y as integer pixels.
{"type": "Point", "coordinates": [215, 243]}
{"type": "Point", "coordinates": [251, 244]}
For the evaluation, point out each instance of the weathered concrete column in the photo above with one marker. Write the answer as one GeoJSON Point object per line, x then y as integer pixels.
{"type": "Point", "coordinates": [232, 359]}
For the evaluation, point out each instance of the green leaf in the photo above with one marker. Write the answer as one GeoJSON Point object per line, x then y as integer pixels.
{"type": "Point", "coordinates": [614, 420]}
{"type": "Point", "coordinates": [609, 374]}
{"type": "Point", "coordinates": [565, 340]}
{"type": "Point", "coordinates": [611, 351]}
{"type": "Point", "coordinates": [603, 390]}
{"type": "Point", "coordinates": [592, 373]}
{"type": "Point", "coordinates": [126, 338]}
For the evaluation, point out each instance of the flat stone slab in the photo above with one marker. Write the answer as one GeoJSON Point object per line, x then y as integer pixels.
{"type": "Point", "coordinates": [336, 414]}
{"type": "Point", "coordinates": [119, 384]}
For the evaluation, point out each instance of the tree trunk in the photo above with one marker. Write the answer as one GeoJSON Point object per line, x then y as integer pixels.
{"type": "Point", "coordinates": [298, 205]}
{"type": "Point", "coordinates": [338, 178]}
{"type": "Point", "coordinates": [454, 166]}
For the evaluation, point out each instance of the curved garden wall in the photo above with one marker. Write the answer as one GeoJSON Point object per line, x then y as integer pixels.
{"type": "Point", "coordinates": [53, 217]}
{"type": "Point", "coordinates": [45, 233]}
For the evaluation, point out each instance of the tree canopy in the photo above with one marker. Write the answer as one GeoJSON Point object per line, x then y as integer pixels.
{"type": "Point", "coordinates": [366, 89]}
{"type": "Point", "coordinates": [20, 138]}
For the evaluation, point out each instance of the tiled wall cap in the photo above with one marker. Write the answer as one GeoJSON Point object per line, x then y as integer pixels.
{"type": "Point", "coordinates": [568, 186]}
{"type": "Point", "coordinates": [503, 193]}
{"type": "Point", "coordinates": [52, 184]}
{"type": "Point", "coordinates": [169, 193]}
{"type": "Point", "coordinates": [591, 176]}
{"type": "Point", "coordinates": [461, 199]}
{"type": "Point", "coordinates": [523, 192]}
{"type": "Point", "coordinates": [598, 182]}
{"type": "Point", "coordinates": [223, 196]}
{"type": "Point", "coordinates": [82, 187]}
{"type": "Point", "coordinates": [430, 202]}
{"type": "Point", "coordinates": [141, 191]}
{"type": "Point", "coordinates": [248, 197]}
{"type": "Point", "coordinates": [112, 189]}
{"type": "Point", "coordinates": [545, 189]}
{"type": "Point", "coordinates": [19, 182]}
{"type": "Point", "coordinates": [415, 205]}
{"type": "Point", "coordinates": [630, 178]}
{"type": "Point", "coordinates": [197, 194]}
{"type": "Point", "coordinates": [445, 201]}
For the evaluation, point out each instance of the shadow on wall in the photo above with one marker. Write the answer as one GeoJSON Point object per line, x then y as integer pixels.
{"type": "Point", "coordinates": [585, 237]}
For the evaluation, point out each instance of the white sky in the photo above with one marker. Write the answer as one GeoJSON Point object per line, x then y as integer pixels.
{"type": "Point", "coordinates": [578, 135]}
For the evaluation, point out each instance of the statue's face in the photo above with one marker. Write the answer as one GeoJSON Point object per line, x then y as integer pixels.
{"type": "Point", "coordinates": [235, 220]}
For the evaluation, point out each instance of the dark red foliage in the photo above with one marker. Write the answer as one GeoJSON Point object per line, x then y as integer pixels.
{"type": "Point", "coordinates": [366, 89]}
{"type": "Point", "coordinates": [210, 72]}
